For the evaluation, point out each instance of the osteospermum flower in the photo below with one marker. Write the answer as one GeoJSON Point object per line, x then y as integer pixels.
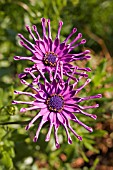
{"type": "Point", "coordinates": [50, 55]}
{"type": "Point", "coordinates": [58, 105]}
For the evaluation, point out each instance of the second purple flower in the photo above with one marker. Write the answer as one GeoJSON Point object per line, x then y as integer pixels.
{"type": "Point", "coordinates": [53, 56]}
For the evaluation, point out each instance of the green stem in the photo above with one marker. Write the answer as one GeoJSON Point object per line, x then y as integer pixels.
{"type": "Point", "coordinates": [17, 122]}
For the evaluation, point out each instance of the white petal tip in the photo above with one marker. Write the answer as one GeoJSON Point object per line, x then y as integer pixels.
{"type": "Point", "coordinates": [83, 41]}
{"type": "Point", "coordinates": [87, 51]}
{"type": "Point", "coordinates": [94, 117]}
{"type": "Point", "coordinates": [43, 19]}
{"type": "Point", "coordinates": [80, 138]}
{"type": "Point", "coordinates": [27, 127]}
{"type": "Point", "coordinates": [22, 43]}
{"type": "Point", "coordinates": [15, 92]}
{"type": "Point", "coordinates": [35, 139]}
{"type": "Point", "coordinates": [47, 139]}
{"type": "Point", "coordinates": [99, 95]}
{"type": "Point", "coordinates": [61, 23]}
{"type": "Point", "coordinates": [74, 30]}
{"type": "Point", "coordinates": [88, 80]}
{"type": "Point", "coordinates": [90, 129]}
{"type": "Point", "coordinates": [80, 35]}
{"type": "Point", "coordinates": [57, 145]}
{"type": "Point", "coordinates": [69, 141]}
{"type": "Point", "coordinates": [13, 102]}
{"type": "Point", "coordinates": [16, 58]}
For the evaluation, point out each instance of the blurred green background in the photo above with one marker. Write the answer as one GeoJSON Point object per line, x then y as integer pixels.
{"type": "Point", "coordinates": [93, 18]}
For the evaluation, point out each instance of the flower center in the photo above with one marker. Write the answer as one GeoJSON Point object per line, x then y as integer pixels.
{"type": "Point", "coordinates": [55, 103]}
{"type": "Point", "coordinates": [50, 58]}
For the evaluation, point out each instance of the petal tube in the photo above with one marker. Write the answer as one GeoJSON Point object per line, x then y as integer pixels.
{"type": "Point", "coordinates": [71, 116]}
{"type": "Point", "coordinates": [49, 29]}
{"type": "Point", "coordinates": [56, 126]}
{"type": "Point", "coordinates": [24, 93]}
{"type": "Point", "coordinates": [43, 121]}
{"type": "Point", "coordinates": [43, 27]}
{"type": "Point", "coordinates": [62, 120]}
{"type": "Point", "coordinates": [69, 126]}
{"type": "Point", "coordinates": [35, 29]}
{"type": "Point", "coordinates": [69, 36]}
{"type": "Point", "coordinates": [51, 119]}
{"type": "Point", "coordinates": [41, 113]}
{"type": "Point", "coordinates": [23, 38]}
{"type": "Point", "coordinates": [29, 30]}
{"type": "Point", "coordinates": [59, 29]}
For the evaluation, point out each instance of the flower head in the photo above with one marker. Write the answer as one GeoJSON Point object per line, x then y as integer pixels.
{"type": "Point", "coordinates": [58, 105]}
{"type": "Point", "coordinates": [50, 55]}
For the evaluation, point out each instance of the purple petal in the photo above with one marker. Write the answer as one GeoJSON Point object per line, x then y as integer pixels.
{"type": "Point", "coordinates": [22, 75]}
{"type": "Point", "coordinates": [69, 126]}
{"type": "Point", "coordinates": [71, 116]}
{"type": "Point", "coordinates": [38, 56]}
{"type": "Point", "coordinates": [59, 29]}
{"type": "Point", "coordinates": [27, 47]}
{"type": "Point", "coordinates": [80, 88]}
{"type": "Point", "coordinates": [32, 35]}
{"type": "Point", "coordinates": [43, 121]}
{"type": "Point", "coordinates": [55, 45]}
{"type": "Point", "coordinates": [49, 28]}
{"type": "Point", "coordinates": [43, 27]}
{"type": "Point", "coordinates": [90, 97]}
{"type": "Point", "coordinates": [29, 108]}
{"type": "Point", "coordinates": [41, 45]}
{"type": "Point", "coordinates": [22, 102]}
{"type": "Point", "coordinates": [35, 29]}
{"type": "Point", "coordinates": [63, 122]}
{"type": "Point", "coordinates": [51, 119]}
{"type": "Point", "coordinates": [41, 113]}
{"type": "Point", "coordinates": [23, 38]}
{"type": "Point", "coordinates": [56, 126]}
{"type": "Point", "coordinates": [53, 87]}
{"type": "Point", "coordinates": [39, 105]}
{"type": "Point", "coordinates": [69, 36]}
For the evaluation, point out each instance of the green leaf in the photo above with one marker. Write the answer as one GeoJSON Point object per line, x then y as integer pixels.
{"type": "Point", "coordinates": [2, 132]}
{"type": "Point", "coordinates": [6, 160]}
{"type": "Point", "coordinates": [90, 147]}
{"type": "Point", "coordinates": [99, 133]}
{"type": "Point", "coordinates": [84, 156]}
{"type": "Point", "coordinates": [95, 163]}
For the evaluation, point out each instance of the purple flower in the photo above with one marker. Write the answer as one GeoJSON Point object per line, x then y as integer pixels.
{"type": "Point", "coordinates": [58, 105]}
{"type": "Point", "coordinates": [53, 56]}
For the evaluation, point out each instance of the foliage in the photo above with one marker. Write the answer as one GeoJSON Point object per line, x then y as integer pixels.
{"type": "Point", "coordinates": [92, 18]}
